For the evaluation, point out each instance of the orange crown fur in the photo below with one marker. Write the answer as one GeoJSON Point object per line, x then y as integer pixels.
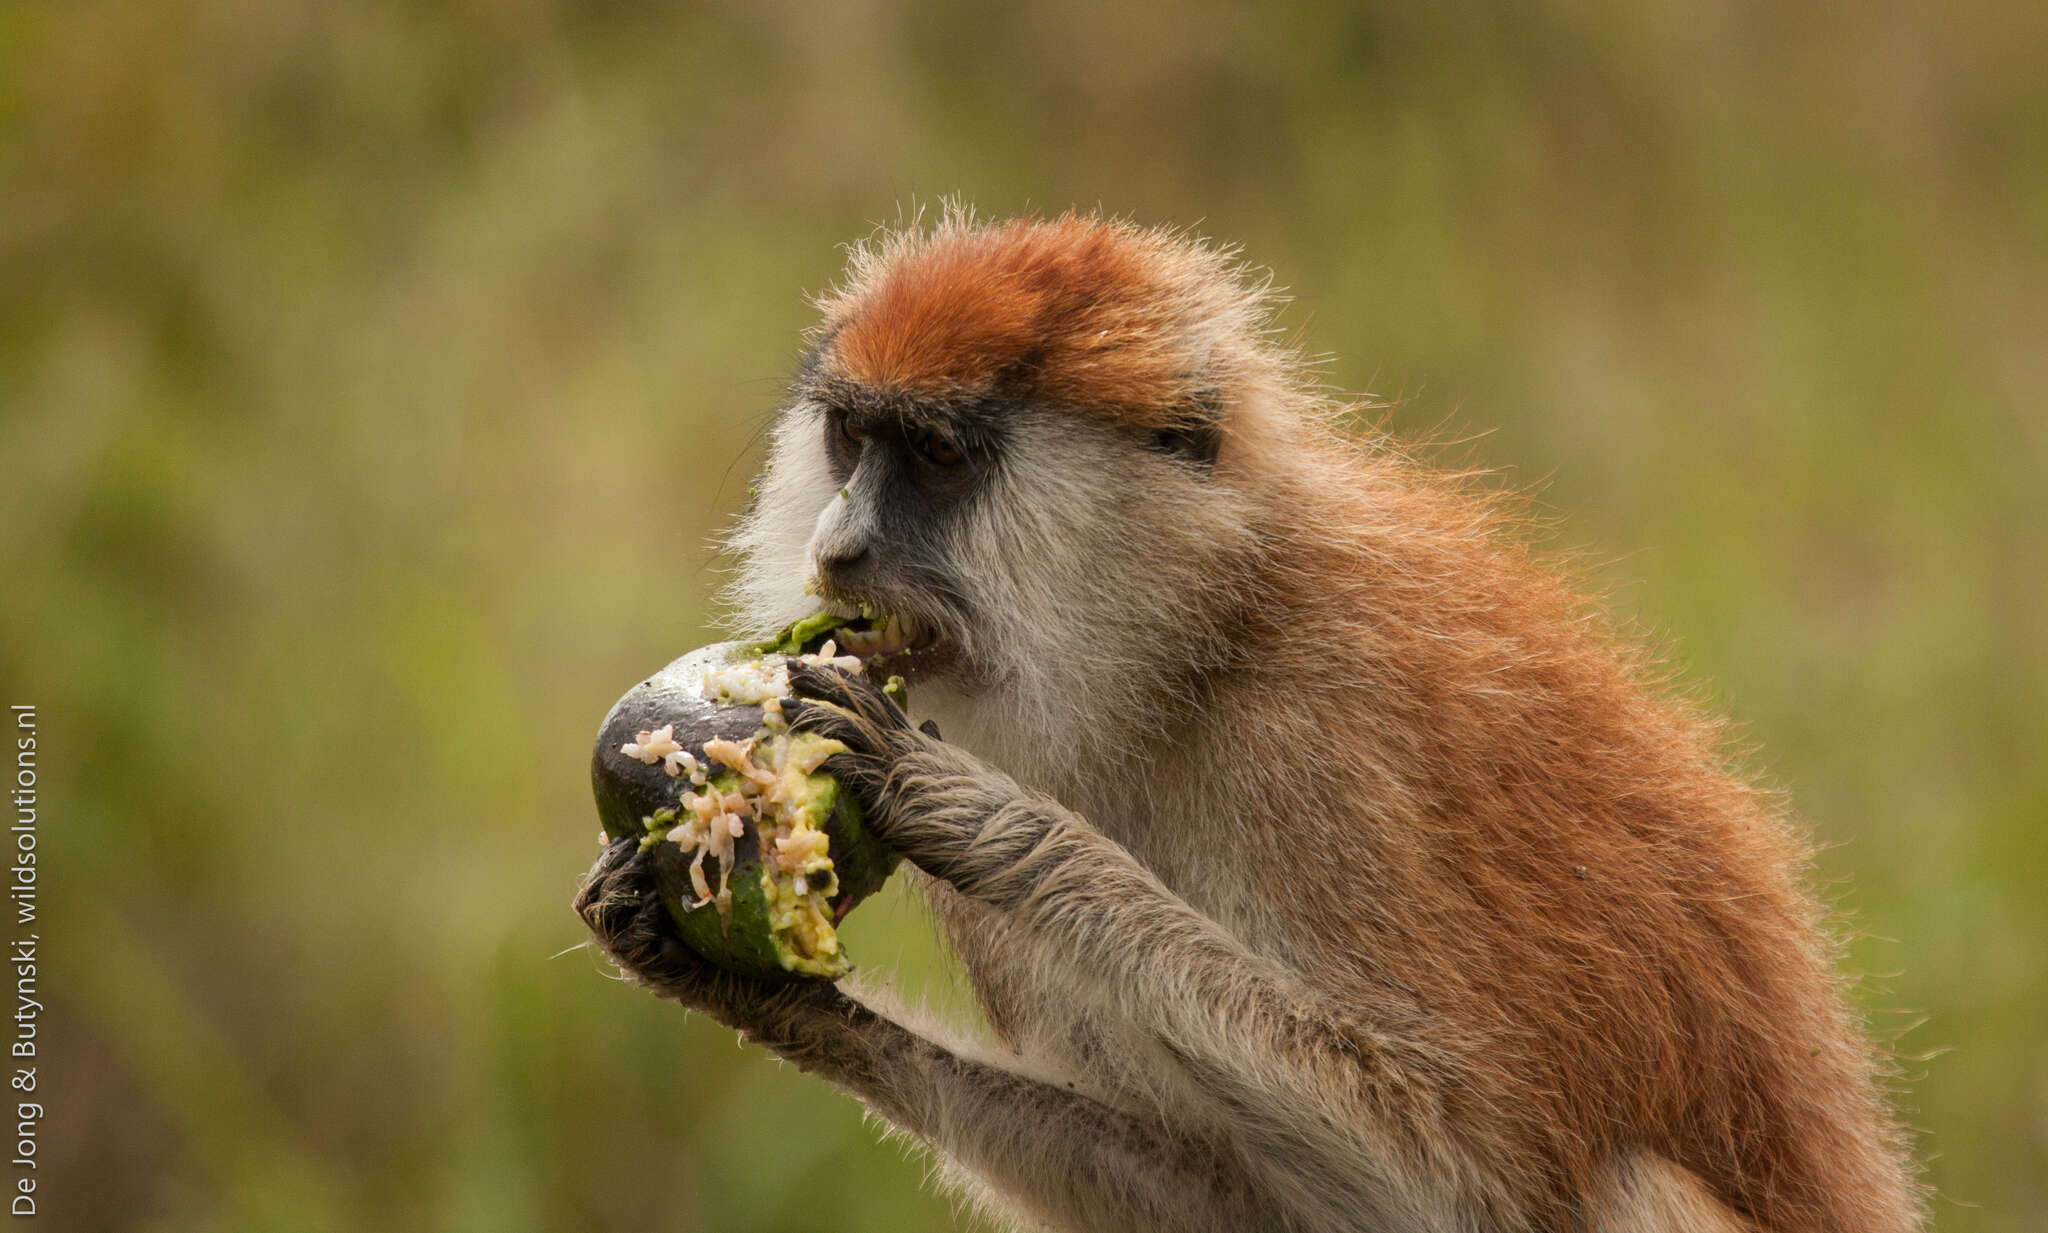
{"type": "Point", "coordinates": [1086, 314]}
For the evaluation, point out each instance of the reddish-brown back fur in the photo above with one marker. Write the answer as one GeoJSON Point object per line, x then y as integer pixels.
{"type": "Point", "coordinates": [1584, 900]}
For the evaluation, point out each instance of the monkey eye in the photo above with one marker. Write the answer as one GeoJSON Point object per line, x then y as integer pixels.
{"type": "Point", "coordinates": [937, 450]}
{"type": "Point", "coordinates": [1197, 444]}
{"type": "Point", "coordinates": [853, 432]}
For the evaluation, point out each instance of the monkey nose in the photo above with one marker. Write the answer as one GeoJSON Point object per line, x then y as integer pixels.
{"type": "Point", "coordinates": [843, 566]}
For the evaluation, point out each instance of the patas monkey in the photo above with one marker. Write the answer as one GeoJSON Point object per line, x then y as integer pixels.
{"type": "Point", "coordinates": [1318, 861]}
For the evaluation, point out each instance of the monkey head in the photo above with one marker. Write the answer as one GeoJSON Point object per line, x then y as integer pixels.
{"type": "Point", "coordinates": [1023, 441]}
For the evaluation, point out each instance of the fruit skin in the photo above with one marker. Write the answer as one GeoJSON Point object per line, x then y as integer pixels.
{"type": "Point", "coordinates": [631, 793]}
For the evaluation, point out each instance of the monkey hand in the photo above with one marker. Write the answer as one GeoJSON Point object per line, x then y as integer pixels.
{"type": "Point", "coordinates": [850, 709]}
{"type": "Point", "coordinates": [620, 901]}
{"type": "Point", "coordinates": [937, 805]}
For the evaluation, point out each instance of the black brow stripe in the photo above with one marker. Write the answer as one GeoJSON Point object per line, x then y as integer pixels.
{"type": "Point", "coordinates": [975, 420]}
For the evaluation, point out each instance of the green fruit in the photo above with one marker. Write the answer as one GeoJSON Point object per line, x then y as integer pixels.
{"type": "Point", "coordinates": [763, 924]}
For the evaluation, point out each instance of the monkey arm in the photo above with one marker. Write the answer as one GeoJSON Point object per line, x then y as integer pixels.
{"type": "Point", "coordinates": [1338, 1100]}
{"type": "Point", "coordinates": [1056, 1154]}
{"type": "Point", "coordinates": [1344, 1100]}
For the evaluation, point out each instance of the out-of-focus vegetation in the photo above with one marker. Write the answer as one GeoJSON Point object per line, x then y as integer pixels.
{"type": "Point", "coordinates": [373, 377]}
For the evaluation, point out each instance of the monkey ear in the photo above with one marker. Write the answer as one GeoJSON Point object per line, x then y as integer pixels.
{"type": "Point", "coordinates": [930, 728]}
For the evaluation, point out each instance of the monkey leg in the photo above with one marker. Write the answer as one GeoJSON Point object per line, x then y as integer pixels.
{"type": "Point", "coordinates": [1055, 1155]}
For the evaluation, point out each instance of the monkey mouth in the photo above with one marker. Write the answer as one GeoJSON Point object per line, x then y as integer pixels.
{"type": "Point", "coordinates": [872, 633]}
{"type": "Point", "coordinates": [896, 634]}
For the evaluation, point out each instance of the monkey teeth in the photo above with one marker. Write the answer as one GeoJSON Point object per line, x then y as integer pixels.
{"type": "Point", "coordinates": [897, 633]}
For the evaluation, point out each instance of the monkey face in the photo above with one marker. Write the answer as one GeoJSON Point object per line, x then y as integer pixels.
{"type": "Point", "coordinates": [1039, 555]}
{"type": "Point", "coordinates": [909, 476]}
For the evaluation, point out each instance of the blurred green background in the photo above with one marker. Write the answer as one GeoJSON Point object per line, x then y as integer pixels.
{"type": "Point", "coordinates": [344, 347]}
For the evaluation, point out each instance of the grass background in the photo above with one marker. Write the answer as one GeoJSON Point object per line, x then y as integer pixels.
{"type": "Point", "coordinates": [343, 346]}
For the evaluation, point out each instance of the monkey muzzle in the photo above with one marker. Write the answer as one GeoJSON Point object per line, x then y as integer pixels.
{"type": "Point", "coordinates": [897, 637]}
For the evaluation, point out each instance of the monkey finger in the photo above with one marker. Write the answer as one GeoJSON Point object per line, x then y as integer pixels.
{"type": "Point", "coordinates": [860, 773]}
{"type": "Point", "coordinates": [866, 778]}
{"type": "Point", "coordinates": [614, 891]}
{"type": "Point", "coordinates": [853, 692]}
{"type": "Point", "coordinates": [833, 721]}
{"type": "Point", "coordinates": [826, 684]}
